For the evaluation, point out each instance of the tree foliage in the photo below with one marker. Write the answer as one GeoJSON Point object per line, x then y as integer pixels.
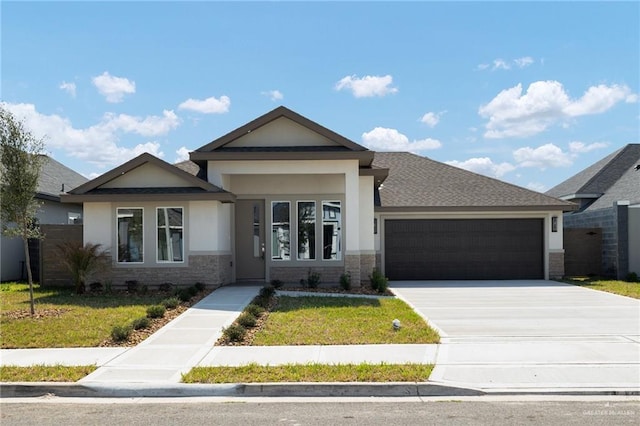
{"type": "Point", "coordinates": [21, 160]}
{"type": "Point", "coordinates": [82, 261]}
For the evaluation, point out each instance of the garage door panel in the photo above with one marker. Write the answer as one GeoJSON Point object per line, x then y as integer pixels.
{"type": "Point", "coordinates": [464, 249]}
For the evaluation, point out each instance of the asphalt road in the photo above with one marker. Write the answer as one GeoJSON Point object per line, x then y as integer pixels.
{"type": "Point", "coordinates": [398, 412]}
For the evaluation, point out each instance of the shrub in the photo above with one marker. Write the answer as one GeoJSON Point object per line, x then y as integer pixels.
{"type": "Point", "coordinates": [95, 287]}
{"type": "Point", "coordinates": [200, 286]}
{"type": "Point", "coordinates": [378, 281]}
{"type": "Point", "coordinates": [254, 310]}
{"type": "Point", "coordinates": [156, 311]}
{"type": "Point", "coordinates": [165, 287]}
{"type": "Point", "coordinates": [140, 323]}
{"type": "Point", "coordinates": [247, 320]}
{"type": "Point", "coordinates": [107, 286]}
{"type": "Point", "coordinates": [81, 261]}
{"type": "Point", "coordinates": [345, 281]}
{"type": "Point", "coordinates": [313, 279]}
{"type": "Point", "coordinates": [170, 303]}
{"type": "Point", "coordinates": [121, 333]}
{"type": "Point", "coordinates": [632, 277]}
{"type": "Point", "coordinates": [184, 294]}
{"type": "Point", "coordinates": [277, 283]}
{"type": "Point", "coordinates": [192, 290]}
{"type": "Point", "coordinates": [144, 289]}
{"type": "Point", "coordinates": [267, 291]}
{"type": "Point", "coordinates": [234, 333]}
{"type": "Point", "coordinates": [261, 301]}
{"type": "Point", "coordinates": [132, 286]}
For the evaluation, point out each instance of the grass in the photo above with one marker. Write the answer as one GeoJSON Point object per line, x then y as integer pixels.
{"type": "Point", "coordinates": [45, 373]}
{"type": "Point", "coordinates": [63, 318]}
{"type": "Point", "coordinates": [254, 373]}
{"type": "Point", "coordinates": [317, 320]}
{"type": "Point", "coordinates": [622, 288]}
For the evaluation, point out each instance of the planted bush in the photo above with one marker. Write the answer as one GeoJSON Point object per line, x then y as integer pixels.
{"type": "Point", "coordinates": [121, 333]}
{"type": "Point", "coordinates": [378, 281]}
{"type": "Point", "coordinates": [234, 333]}
{"type": "Point", "coordinates": [170, 303]}
{"type": "Point", "coordinates": [261, 301]}
{"type": "Point", "coordinates": [81, 261]}
{"type": "Point", "coordinates": [345, 281]}
{"type": "Point", "coordinates": [312, 281]}
{"type": "Point", "coordinates": [254, 310]}
{"type": "Point", "coordinates": [192, 290]}
{"type": "Point", "coordinates": [184, 294]}
{"type": "Point", "coordinates": [267, 291]}
{"type": "Point", "coordinates": [632, 277]}
{"type": "Point", "coordinates": [277, 283]}
{"type": "Point", "coordinates": [132, 286]}
{"type": "Point", "coordinates": [165, 287]}
{"type": "Point", "coordinates": [199, 286]}
{"type": "Point", "coordinates": [247, 320]}
{"type": "Point", "coordinates": [156, 311]}
{"type": "Point", "coordinates": [144, 289]}
{"type": "Point", "coordinates": [95, 287]}
{"type": "Point", "coordinates": [140, 323]}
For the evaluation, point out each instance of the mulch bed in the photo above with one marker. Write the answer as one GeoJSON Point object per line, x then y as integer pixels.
{"type": "Point", "coordinates": [40, 313]}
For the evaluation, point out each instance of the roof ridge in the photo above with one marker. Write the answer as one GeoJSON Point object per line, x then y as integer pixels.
{"type": "Point", "coordinates": [605, 168]}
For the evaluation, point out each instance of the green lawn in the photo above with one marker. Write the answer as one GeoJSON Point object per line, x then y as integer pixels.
{"type": "Point", "coordinates": [44, 373]}
{"type": "Point", "coordinates": [65, 319]}
{"type": "Point", "coordinates": [622, 288]}
{"type": "Point", "coordinates": [310, 373]}
{"type": "Point", "coordinates": [317, 320]}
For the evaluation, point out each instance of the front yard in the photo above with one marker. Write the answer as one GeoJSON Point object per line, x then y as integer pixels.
{"type": "Point", "coordinates": [623, 288]}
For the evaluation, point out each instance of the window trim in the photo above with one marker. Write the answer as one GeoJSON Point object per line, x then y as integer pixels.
{"type": "Point", "coordinates": [158, 240]}
{"type": "Point", "coordinates": [144, 248]}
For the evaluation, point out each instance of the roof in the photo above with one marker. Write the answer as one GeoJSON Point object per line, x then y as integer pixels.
{"type": "Point", "coordinates": [611, 179]}
{"type": "Point", "coordinates": [419, 183]}
{"type": "Point", "coordinates": [344, 149]}
{"type": "Point", "coordinates": [197, 188]}
{"type": "Point", "coordinates": [56, 178]}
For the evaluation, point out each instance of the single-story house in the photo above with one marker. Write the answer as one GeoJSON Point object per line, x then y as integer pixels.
{"type": "Point", "coordinates": [608, 193]}
{"type": "Point", "coordinates": [54, 179]}
{"type": "Point", "coordinates": [282, 196]}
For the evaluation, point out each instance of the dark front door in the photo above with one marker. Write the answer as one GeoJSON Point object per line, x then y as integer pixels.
{"type": "Point", "coordinates": [464, 249]}
{"type": "Point", "coordinates": [250, 244]}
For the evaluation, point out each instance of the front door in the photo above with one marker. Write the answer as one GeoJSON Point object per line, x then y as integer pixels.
{"type": "Point", "coordinates": [250, 244]}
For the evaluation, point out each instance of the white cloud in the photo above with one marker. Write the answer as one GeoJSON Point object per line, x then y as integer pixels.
{"type": "Point", "coordinates": [207, 106]}
{"type": "Point", "coordinates": [537, 186]}
{"type": "Point", "coordinates": [274, 95]}
{"type": "Point", "coordinates": [484, 166]}
{"type": "Point", "coordinates": [543, 157]}
{"type": "Point", "coordinates": [431, 119]}
{"type": "Point", "coordinates": [500, 64]}
{"type": "Point", "coordinates": [514, 114]}
{"type": "Point", "coordinates": [97, 144]}
{"type": "Point", "coordinates": [483, 67]}
{"type": "Point", "coordinates": [384, 139]}
{"type": "Point", "coordinates": [113, 88]}
{"type": "Point", "coordinates": [183, 154]}
{"type": "Point", "coordinates": [70, 88]}
{"type": "Point", "coordinates": [523, 62]}
{"type": "Point", "coordinates": [581, 147]}
{"type": "Point", "coordinates": [367, 86]}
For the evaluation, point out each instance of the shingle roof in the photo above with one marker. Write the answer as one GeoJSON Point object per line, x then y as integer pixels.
{"type": "Point", "coordinates": [421, 183]}
{"type": "Point", "coordinates": [53, 175]}
{"type": "Point", "coordinates": [611, 179]}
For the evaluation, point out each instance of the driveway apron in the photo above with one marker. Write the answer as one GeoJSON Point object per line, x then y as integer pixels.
{"type": "Point", "coordinates": [529, 334]}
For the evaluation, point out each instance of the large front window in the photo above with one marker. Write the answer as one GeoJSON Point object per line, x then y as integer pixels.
{"type": "Point", "coordinates": [306, 230]}
{"type": "Point", "coordinates": [331, 230]}
{"type": "Point", "coordinates": [130, 235]}
{"type": "Point", "coordinates": [280, 228]}
{"type": "Point", "coordinates": [170, 234]}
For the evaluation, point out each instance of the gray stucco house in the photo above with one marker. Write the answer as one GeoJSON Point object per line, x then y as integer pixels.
{"type": "Point", "coordinates": [55, 178]}
{"type": "Point", "coordinates": [608, 193]}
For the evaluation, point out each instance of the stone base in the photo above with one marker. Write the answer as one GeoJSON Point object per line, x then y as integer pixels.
{"type": "Point", "coordinates": [293, 275]}
{"type": "Point", "coordinates": [556, 265]}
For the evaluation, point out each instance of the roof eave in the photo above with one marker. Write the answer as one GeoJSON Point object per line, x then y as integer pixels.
{"type": "Point", "coordinates": [364, 157]}
{"type": "Point", "coordinates": [417, 209]}
{"type": "Point", "coordinates": [223, 197]}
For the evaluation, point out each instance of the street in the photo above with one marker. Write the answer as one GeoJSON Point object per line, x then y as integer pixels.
{"type": "Point", "coordinates": [402, 411]}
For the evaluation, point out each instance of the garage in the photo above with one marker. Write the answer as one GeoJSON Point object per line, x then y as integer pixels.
{"type": "Point", "coordinates": [464, 249]}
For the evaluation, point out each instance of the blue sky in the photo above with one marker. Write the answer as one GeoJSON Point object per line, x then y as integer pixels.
{"type": "Point", "coordinates": [529, 93]}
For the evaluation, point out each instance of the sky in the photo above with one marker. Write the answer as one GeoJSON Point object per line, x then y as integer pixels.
{"type": "Point", "coordinates": [529, 93]}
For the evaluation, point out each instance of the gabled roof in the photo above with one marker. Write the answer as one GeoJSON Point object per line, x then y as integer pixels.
{"type": "Point", "coordinates": [56, 178]}
{"type": "Point", "coordinates": [611, 179]}
{"type": "Point", "coordinates": [417, 183]}
{"type": "Point", "coordinates": [197, 189]}
{"type": "Point", "coordinates": [343, 149]}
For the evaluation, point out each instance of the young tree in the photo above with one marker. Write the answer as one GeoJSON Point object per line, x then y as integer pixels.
{"type": "Point", "coordinates": [21, 160]}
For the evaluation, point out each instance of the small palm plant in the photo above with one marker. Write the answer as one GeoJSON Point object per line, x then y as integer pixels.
{"type": "Point", "coordinates": [82, 261]}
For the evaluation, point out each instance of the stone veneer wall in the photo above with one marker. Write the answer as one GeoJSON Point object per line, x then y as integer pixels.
{"type": "Point", "coordinates": [367, 264]}
{"type": "Point", "coordinates": [352, 267]}
{"type": "Point", "coordinates": [212, 270]}
{"type": "Point", "coordinates": [556, 265]}
{"type": "Point", "coordinates": [293, 275]}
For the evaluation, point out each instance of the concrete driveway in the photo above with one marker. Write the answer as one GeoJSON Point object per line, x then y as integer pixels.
{"type": "Point", "coordinates": [529, 334]}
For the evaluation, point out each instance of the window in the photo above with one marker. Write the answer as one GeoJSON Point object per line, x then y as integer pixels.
{"type": "Point", "coordinates": [280, 229]}
{"type": "Point", "coordinates": [130, 235]}
{"type": "Point", "coordinates": [331, 230]}
{"type": "Point", "coordinates": [74, 218]}
{"type": "Point", "coordinates": [306, 230]}
{"type": "Point", "coordinates": [170, 234]}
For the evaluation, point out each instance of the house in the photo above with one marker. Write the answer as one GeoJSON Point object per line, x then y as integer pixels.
{"type": "Point", "coordinates": [608, 193]}
{"type": "Point", "coordinates": [282, 196]}
{"type": "Point", "coordinates": [54, 179]}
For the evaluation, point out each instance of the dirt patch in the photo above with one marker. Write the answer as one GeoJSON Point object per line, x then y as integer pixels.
{"type": "Point", "coordinates": [40, 313]}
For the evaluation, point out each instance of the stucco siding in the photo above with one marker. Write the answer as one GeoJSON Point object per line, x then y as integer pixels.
{"type": "Point", "coordinates": [281, 132]}
{"type": "Point", "coordinates": [147, 176]}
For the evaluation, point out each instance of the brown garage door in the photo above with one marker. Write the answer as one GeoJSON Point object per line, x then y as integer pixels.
{"type": "Point", "coordinates": [464, 249]}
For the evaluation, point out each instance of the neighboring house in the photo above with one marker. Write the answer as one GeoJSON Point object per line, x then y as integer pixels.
{"type": "Point", "coordinates": [54, 179]}
{"type": "Point", "coordinates": [608, 193]}
{"type": "Point", "coordinates": [283, 196]}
